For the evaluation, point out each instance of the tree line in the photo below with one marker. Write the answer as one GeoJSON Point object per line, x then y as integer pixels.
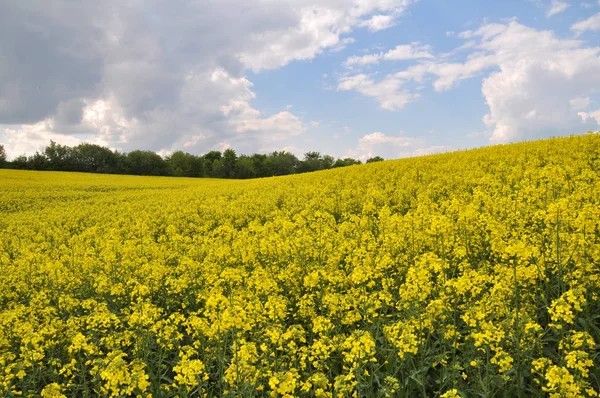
{"type": "Point", "coordinates": [93, 158]}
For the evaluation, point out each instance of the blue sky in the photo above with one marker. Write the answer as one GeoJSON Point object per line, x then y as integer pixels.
{"type": "Point", "coordinates": [356, 78]}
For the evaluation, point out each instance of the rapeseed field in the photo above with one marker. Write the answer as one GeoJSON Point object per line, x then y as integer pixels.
{"type": "Point", "coordinates": [474, 273]}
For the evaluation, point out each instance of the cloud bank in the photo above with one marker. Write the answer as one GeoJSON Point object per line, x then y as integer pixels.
{"type": "Point", "coordinates": [161, 74]}
{"type": "Point", "coordinates": [535, 84]}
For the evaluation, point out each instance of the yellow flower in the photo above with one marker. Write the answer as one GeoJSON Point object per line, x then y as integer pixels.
{"type": "Point", "coordinates": [450, 394]}
{"type": "Point", "coordinates": [317, 284]}
{"type": "Point", "coordinates": [52, 391]}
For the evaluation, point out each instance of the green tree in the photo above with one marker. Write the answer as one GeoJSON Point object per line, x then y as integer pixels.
{"type": "Point", "coordinates": [59, 157]}
{"type": "Point", "coordinates": [259, 164]}
{"type": "Point", "coordinates": [229, 161]}
{"type": "Point", "coordinates": [212, 160]}
{"type": "Point", "coordinates": [94, 158]}
{"type": "Point", "coordinates": [312, 162]}
{"type": "Point", "coordinates": [346, 162]}
{"type": "Point", "coordinates": [185, 165]}
{"type": "Point", "coordinates": [327, 162]}
{"type": "Point", "coordinates": [20, 162]}
{"type": "Point", "coordinates": [375, 159]}
{"type": "Point", "coordinates": [2, 156]}
{"type": "Point", "coordinates": [244, 168]}
{"type": "Point", "coordinates": [281, 163]}
{"type": "Point", "coordinates": [38, 161]}
{"type": "Point", "coordinates": [146, 163]}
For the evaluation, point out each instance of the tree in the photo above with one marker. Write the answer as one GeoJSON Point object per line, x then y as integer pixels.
{"type": "Point", "coordinates": [20, 162]}
{"type": "Point", "coordinates": [229, 161]}
{"type": "Point", "coordinates": [185, 165]}
{"type": "Point", "coordinates": [281, 163]}
{"type": "Point", "coordinates": [244, 168]}
{"type": "Point", "coordinates": [122, 163]}
{"type": "Point", "coordinates": [177, 163]}
{"type": "Point", "coordinates": [375, 159]}
{"type": "Point", "coordinates": [346, 162]}
{"type": "Point", "coordinates": [211, 161]}
{"type": "Point", "coordinates": [2, 156]}
{"type": "Point", "coordinates": [146, 163]}
{"type": "Point", "coordinates": [259, 164]}
{"type": "Point", "coordinates": [59, 157]}
{"type": "Point", "coordinates": [312, 162]}
{"type": "Point", "coordinates": [38, 162]}
{"type": "Point", "coordinates": [94, 159]}
{"type": "Point", "coordinates": [327, 162]}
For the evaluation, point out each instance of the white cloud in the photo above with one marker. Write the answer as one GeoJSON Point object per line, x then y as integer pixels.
{"type": "Point", "coordinates": [541, 73]}
{"type": "Point", "coordinates": [556, 7]}
{"type": "Point", "coordinates": [580, 103]}
{"type": "Point", "coordinates": [393, 147]}
{"type": "Point", "coordinates": [592, 23]}
{"type": "Point", "coordinates": [218, 96]}
{"type": "Point", "coordinates": [380, 138]}
{"type": "Point", "coordinates": [388, 92]}
{"type": "Point", "coordinates": [408, 51]}
{"type": "Point", "coordinates": [102, 122]}
{"type": "Point", "coordinates": [430, 150]}
{"type": "Point", "coordinates": [486, 31]}
{"type": "Point", "coordinates": [388, 147]}
{"type": "Point", "coordinates": [379, 22]}
{"type": "Point", "coordinates": [320, 25]}
{"type": "Point", "coordinates": [245, 119]}
{"type": "Point", "coordinates": [33, 137]}
{"type": "Point", "coordinates": [585, 116]}
{"type": "Point", "coordinates": [399, 53]}
{"type": "Point", "coordinates": [363, 60]}
{"type": "Point", "coordinates": [534, 82]}
{"type": "Point", "coordinates": [342, 44]}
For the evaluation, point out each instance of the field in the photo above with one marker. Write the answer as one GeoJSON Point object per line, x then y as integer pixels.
{"type": "Point", "coordinates": [473, 273]}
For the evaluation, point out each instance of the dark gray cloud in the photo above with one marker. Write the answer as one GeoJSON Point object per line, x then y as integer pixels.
{"type": "Point", "coordinates": [70, 112]}
{"type": "Point", "coordinates": [45, 59]}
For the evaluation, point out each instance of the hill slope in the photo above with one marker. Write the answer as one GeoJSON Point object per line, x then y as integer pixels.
{"type": "Point", "coordinates": [473, 273]}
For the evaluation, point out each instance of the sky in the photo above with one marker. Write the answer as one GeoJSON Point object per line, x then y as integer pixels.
{"type": "Point", "coordinates": [359, 78]}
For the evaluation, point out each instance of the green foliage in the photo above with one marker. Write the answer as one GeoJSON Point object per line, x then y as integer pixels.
{"type": "Point", "coordinates": [375, 159]}
{"type": "Point", "coordinates": [345, 162]}
{"type": "Point", "coordinates": [229, 161]}
{"type": "Point", "coordinates": [59, 157]}
{"type": "Point", "coordinates": [20, 162]}
{"type": "Point", "coordinates": [92, 158]}
{"type": "Point", "coordinates": [183, 164]}
{"type": "Point", "coordinates": [244, 168]}
{"type": "Point", "coordinates": [95, 159]}
{"type": "Point", "coordinates": [212, 163]}
{"type": "Point", "coordinates": [2, 156]}
{"type": "Point", "coordinates": [312, 162]}
{"type": "Point", "coordinates": [146, 163]}
{"type": "Point", "coordinates": [281, 163]}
